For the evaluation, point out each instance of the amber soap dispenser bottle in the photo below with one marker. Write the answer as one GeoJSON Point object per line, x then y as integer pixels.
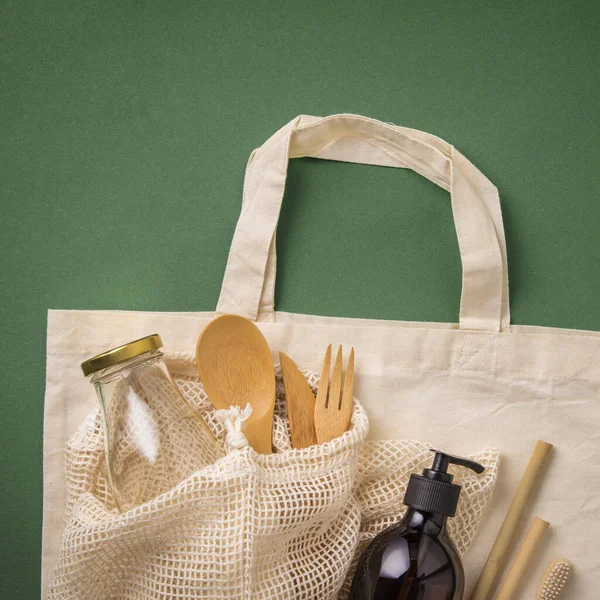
{"type": "Point", "coordinates": [416, 559]}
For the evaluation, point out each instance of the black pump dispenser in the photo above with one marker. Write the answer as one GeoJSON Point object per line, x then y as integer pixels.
{"type": "Point", "coordinates": [415, 559]}
{"type": "Point", "coordinates": [433, 491]}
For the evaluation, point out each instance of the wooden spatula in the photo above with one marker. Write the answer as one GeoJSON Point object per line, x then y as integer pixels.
{"type": "Point", "coordinates": [300, 404]}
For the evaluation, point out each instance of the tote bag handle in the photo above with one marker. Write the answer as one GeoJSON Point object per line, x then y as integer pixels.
{"type": "Point", "coordinates": [249, 281]}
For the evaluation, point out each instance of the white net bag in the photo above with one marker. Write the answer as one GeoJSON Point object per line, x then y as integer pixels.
{"type": "Point", "coordinates": [289, 525]}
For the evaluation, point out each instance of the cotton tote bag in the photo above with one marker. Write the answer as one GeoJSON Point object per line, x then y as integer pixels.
{"type": "Point", "coordinates": [488, 382]}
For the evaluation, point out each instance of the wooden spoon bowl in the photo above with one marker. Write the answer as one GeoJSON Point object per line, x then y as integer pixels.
{"type": "Point", "coordinates": [235, 366]}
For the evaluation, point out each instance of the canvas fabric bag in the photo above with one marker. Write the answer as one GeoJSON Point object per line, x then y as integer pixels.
{"type": "Point", "coordinates": [490, 383]}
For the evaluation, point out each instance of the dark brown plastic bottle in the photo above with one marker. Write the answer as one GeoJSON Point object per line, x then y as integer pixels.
{"type": "Point", "coordinates": [416, 559]}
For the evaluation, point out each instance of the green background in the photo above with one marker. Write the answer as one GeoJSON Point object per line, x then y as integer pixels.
{"type": "Point", "coordinates": [126, 126]}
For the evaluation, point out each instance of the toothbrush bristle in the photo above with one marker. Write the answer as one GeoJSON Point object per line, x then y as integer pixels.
{"type": "Point", "coordinates": [555, 579]}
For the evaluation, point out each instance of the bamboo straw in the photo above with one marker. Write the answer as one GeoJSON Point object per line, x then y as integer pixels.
{"type": "Point", "coordinates": [498, 553]}
{"type": "Point", "coordinates": [523, 560]}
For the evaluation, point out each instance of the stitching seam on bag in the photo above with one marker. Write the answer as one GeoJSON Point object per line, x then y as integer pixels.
{"type": "Point", "coordinates": [485, 345]}
{"type": "Point", "coordinates": [449, 370]}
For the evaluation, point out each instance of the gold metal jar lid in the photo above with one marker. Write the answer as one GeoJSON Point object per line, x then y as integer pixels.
{"type": "Point", "coordinates": [122, 353]}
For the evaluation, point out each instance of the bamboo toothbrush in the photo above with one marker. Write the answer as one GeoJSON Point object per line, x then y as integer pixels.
{"type": "Point", "coordinates": [554, 580]}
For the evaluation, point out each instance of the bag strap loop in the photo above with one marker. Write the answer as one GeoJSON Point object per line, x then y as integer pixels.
{"type": "Point", "coordinates": [249, 281]}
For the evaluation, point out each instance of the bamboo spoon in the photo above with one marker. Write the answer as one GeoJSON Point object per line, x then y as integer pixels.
{"type": "Point", "coordinates": [235, 366]}
{"type": "Point", "coordinates": [300, 402]}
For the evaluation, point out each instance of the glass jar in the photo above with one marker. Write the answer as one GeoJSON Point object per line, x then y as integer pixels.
{"type": "Point", "coordinates": [153, 438]}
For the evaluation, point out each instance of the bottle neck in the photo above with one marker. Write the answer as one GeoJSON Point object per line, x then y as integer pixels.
{"type": "Point", "coordinates": [418, 519]}
{"type": "Point", "coordinates": [114, 371]}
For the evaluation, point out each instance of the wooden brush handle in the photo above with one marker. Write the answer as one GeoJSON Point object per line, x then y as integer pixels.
{"type": "Point", "coordinates": [499, 551]}
{"type": "Point", "coordinates": [523, 560]}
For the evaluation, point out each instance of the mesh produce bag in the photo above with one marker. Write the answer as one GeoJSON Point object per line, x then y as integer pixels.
{"type": "Point", "coordinates": [244, 526]}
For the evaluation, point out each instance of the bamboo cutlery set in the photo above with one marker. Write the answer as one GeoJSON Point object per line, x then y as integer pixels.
{"type": "Point", "coordinates": [235, 366]}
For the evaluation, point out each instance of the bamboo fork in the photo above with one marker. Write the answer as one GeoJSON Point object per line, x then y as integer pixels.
{"type": "Point", "coordinates": [333, 406]}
